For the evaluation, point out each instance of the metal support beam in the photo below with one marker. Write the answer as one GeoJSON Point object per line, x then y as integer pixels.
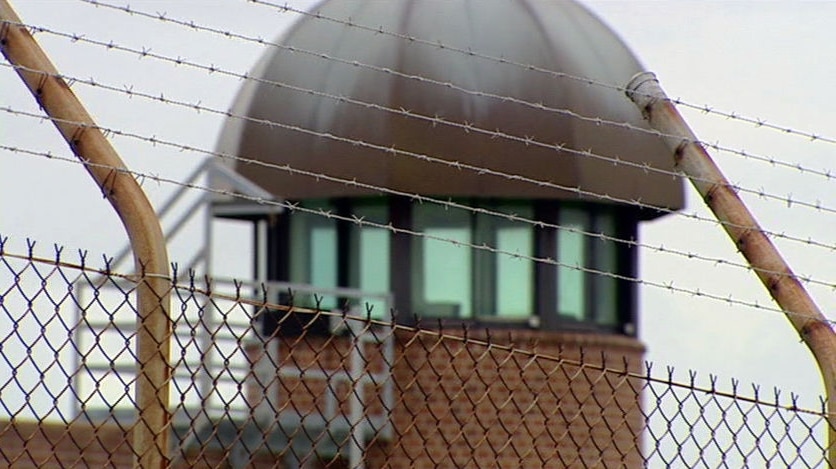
{"type": "Point", "coordinates": [119, 187]}
{"type": "Point", "coordinates": [784, 287]}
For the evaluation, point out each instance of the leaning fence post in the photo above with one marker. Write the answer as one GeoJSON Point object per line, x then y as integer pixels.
{"type": "Point", "coordinates": [694, 161]}
{"type": "Point", "coordinates": [127, 198]}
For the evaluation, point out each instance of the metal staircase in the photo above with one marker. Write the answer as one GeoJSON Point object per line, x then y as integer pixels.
{"type": "Point", "coordinates": [215, 367]}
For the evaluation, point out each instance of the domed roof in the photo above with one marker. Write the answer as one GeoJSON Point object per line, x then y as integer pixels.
{"type": "Point", "coordinates": [368, 98]}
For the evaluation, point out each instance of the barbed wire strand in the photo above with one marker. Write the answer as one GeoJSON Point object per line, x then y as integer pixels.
{"type": "Point", "coordinates": [438, 334]}
{"type": "Point", "coordinates": [826, 173]}
{"type": "Point", "coordinates": [434, 120]}
{"type": "Point", "coordinates": [389, 150]}
{"type": "Point", "coordinates": [198, 107]}
{"type": "Point", "coordinates": [552, 73]}
{"type": "Point", "coordinates": [447, 203]}
{"type": "Point", "coordinates": [361, 221]}
{"type": "Point", "coordinates": [403, 112]}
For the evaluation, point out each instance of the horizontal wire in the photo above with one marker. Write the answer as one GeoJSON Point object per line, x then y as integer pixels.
{"type": "Point", "coordinates": [422, 198]}
{"type": "Point", "coordinates": [461, 206]}
{"type": "Point", "coordinates": [361, 221]}
{"type": "Point", "coordinates": [503, 60]}
{"type": "Point", "coordinates": [352, 182]}
{"type": "Point", "coordinates": [828, 174]}
{"type": "Point", "coordinates": [389, 150]}
{"type": "Point", "coordinates": [434, 120]}
{"type": "Point", "coordinates": [447, 203]}
{"type": "Point", "coordinates": [488, 343]}
{"type": "Point", "coordinates": [468, 127]}
{"type": "Point", "coordinates": [476, 210]}
{"type": "Point", "coordinates": [757, 122]}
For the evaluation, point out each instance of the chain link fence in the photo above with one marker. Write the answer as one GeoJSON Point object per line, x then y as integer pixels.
{"type": "Point", "coordinates": [263, 376]}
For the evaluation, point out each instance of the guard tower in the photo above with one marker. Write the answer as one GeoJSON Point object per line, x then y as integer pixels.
{"type": "Point", "coordinates": [503, 108]}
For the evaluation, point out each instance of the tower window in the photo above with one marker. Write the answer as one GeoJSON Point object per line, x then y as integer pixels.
{"type": "Point", "coordinates": [369, 253]}
{"type": "Point", "coordinates": [572, 256]}
{"type": "Point", "coordinates": [313, 254]}
{"type": "Point", "coordinates": [442, 260]}
{"type": "Point", "coordinates": [586, 255]}
{"type": "Point", "coordinates": [440, 274]}
{"type": "Point", "coordinates": [451, 279]}
{"type": "Point", "coordinates": [504, 278]}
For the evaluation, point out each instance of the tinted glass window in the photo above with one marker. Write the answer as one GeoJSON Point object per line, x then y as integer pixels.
{"type": "Point", "coordinates": [606, 256]}
{"type": "Point", "coordinates": [370, 251]}
{"type": "Point", "coordinates": [505, 278]}
{"type": "Point", "coordinates": [444, 276]}
{"type": "Point", "coordinates": [572, 258]}
{"type": "Point", "coordinates": [586, 252]}
{"type": "Point", "coordinates": [441, 262]}
{"type": "Point", "coordinates": [313, 254]}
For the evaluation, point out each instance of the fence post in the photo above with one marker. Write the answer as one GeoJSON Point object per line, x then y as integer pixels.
{"type": "Point", "coordinates": [88, 143]}
{"type": "Point", "coordinates": [784, 287]}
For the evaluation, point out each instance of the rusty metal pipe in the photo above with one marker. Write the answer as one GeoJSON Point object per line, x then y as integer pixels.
{"type": "Point", "coordinates": [87, 142]}
{"type": "Point", "coordinates": [784, 287]}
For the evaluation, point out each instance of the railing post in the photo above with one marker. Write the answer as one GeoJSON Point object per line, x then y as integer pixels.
{"type": "Point", "coordinates": [356, 372]}
{"type": "Point", "coordinates": [119, 187]}
{"type": "Point", "coordinates": [784, 287]}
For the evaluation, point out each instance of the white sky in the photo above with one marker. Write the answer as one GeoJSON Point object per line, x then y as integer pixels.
{"type": "Point", "coordinates": [765, 60]}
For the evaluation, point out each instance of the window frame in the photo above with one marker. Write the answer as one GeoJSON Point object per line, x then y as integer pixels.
{"type": "Point", "coordinates": [544, 298]}
{"type": "Point", "coordinates": [624, 224]}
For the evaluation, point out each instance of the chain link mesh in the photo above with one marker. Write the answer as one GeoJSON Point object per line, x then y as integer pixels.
{"type": "Point", "coordinates": [264, 375]}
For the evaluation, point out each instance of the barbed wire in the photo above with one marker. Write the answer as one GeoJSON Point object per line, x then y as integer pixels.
{"type": "Point", "coordinates": [361, 221]}
{"type": "Point", "coordinates": [434, 120]}
{"type": "Point", "coordinates": [423, 198]}
{"type": "Point", "coordinates": [467, 127]}
{"type": "Point", "coordinates": [828, 174]}
{"type": "Point", "coordinates": [552, 73]}
{"type": "Point", "coordinates": [153, 140]}
{"type": "Point", "coordinates": [390, 150]}
{"type": "Point", "coordinates": [469, 336]}
{"type": "Point", "coordinates": [757, 122]}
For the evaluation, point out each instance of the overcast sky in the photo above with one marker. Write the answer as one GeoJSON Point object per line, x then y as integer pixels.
{"type": "Point", "coordinates": [764, 60]}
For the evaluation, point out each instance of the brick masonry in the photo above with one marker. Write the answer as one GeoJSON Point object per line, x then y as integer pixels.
{"type": "Point", "coordinates": [28, 444]}
{"type": "Point", "coordinates": [466, 405]}
{"type": "Point", "coordinates": [456, 404]}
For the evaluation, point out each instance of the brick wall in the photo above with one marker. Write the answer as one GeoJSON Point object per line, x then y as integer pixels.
{"type": "Point", "coordinates": [464, 405]}
{"type": "Point", "coordinates": [456, 404]}
{"type": "Point", "coordinates": [29, 444]}
{"type": "Point", "coordinates": [460, 404]}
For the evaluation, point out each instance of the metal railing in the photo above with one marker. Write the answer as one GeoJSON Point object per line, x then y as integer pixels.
{"type": "Point", "coordinates": [221, 349]}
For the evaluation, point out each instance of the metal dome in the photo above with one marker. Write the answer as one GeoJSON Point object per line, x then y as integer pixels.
{"type": "Point", "coordinates": [371, 91]}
